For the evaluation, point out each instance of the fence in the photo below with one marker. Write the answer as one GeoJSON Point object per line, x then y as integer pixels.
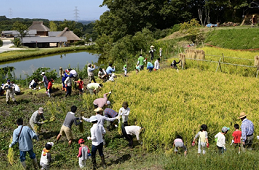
{"type": "Point", "coordinates": [221, 62]}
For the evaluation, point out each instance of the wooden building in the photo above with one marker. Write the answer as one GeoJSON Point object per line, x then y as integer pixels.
{"type": "Point", "coordinates": [41, 29]}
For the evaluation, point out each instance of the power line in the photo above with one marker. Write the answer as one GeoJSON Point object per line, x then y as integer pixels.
{"type": "Point", "coordinates": [76, 14]}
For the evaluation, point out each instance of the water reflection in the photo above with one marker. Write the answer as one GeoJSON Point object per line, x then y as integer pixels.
{"type": "Point", "coordinates": [74, 60]}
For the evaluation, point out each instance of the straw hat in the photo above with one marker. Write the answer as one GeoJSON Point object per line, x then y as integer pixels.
{"type": "Point", "coordinates": [152, 46]}
{"type": "Point", "coordinates": [98, 109]}
{"type": "Point", "coordinates": [242, 115]}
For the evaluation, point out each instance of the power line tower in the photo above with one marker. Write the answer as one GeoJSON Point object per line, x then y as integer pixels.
{"type": "Point", "coordinates": [76, 14]}
{"type": "Point", "coordinates": [10, 12]}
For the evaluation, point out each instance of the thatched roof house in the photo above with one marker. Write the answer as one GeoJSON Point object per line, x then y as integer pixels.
{"type": "Point", "coordinates": [42, 30]}
{"type": "Point", "coordinates": [71, 37]}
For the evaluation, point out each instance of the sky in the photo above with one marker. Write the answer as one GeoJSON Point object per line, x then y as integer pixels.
{"type": "Point", "coordinates": [52, 9]}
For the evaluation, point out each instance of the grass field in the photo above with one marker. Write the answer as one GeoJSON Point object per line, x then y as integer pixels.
{"type": "Point", "coordinates": [165, 102]}
{"type": "Point", "coordinates": [213, 55]}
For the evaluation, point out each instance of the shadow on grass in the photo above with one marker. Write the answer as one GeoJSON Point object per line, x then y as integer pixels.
{"type": "Point", "coordinates": [121, 159]}
{"type": "Point", "coordinates": [48, 135]}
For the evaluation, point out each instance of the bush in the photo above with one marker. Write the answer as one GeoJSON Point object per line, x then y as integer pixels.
{"type": "Point", "coordinates": [175, 28]}
{"type": "Point", "coordinates": [17, 42]}
{"type": "Point", "coordinates": [1, 43]}
{"type": "Point", "coordinates": [79, 43]}
{"type": "Point", "coordinates": [37, 74]}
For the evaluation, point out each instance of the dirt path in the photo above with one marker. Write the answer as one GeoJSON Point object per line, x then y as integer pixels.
{"type": "Point", "coordinates": [6, 46]}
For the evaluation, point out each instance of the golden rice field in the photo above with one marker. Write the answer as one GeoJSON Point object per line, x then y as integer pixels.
{"type": "Point", "coordinates": [213, 55]}
{"type": "Point", "coordinates": [167, 103]}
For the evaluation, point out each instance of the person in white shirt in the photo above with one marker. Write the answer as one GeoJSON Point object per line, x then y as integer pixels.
{"type": "Point", "coordinates": [156, 64]}
{"type": "Point", "coordinates": [220, 138]}
{"type": "Point", "coordinates": [68, 83]}
{"type": "Point", "coordinates": [102, 74]}
{"type": "Point", "coordinates": [17, 90]}
{"type": "Point", "coordinates": [129, 131]}
{"type": "Point", "coordinates": [97, 132]}
{"type": "Point", "coordinates": [90, 71]}
{"type": "Point", "coordinates": [124, 113]}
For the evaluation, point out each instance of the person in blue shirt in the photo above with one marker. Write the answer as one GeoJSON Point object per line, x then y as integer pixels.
{"type": "Point", "coordinates": [109, 69]}
{"type": "Point", "coordinates": [24, 135]}
{"type": "Point", "coordinates": [150, 66]}
{"type": "Point", "coordinates": [64, 76]}
{"type": "Point", "coordinates": [247, 128]}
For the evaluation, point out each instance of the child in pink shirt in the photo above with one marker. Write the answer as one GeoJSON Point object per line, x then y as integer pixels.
{"type": "Point", "coordinates": [178, 143]}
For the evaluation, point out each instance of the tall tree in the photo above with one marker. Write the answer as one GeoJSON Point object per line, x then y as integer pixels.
{"type": "Point", "coordinates": [53, 26]}
{"type": "Point", "coordinates": [131, 16]}
{"type": "Point", "coordinates": [21, 28]}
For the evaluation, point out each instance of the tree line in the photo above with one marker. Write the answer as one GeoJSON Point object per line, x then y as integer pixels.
{"type": "Point", "coordinates": [78, 28]}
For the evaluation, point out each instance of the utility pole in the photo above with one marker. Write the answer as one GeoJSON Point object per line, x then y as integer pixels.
{"type": "Point", "coordinates": [76, 14]}
{"type": "Point", "coordinates": [10, 12]}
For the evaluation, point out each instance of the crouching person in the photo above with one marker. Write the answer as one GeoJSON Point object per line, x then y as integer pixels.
{"type": "Point", "coordinates": [45, 159]}
{"type": "Point", "coordinates": [129, 131]}
{"type": "Point", "coordinates": [97, 132]}
{"type": "Point", "coordinates": [178, 143]}
{"type": "Point", "coordinates": [35, 120]}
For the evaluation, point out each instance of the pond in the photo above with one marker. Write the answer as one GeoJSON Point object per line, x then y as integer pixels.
{"type": "Point", "coordinates": [74, 60]}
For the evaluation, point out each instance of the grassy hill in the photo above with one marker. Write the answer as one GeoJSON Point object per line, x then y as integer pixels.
{"type": "Point", "coordinates": [241, 37]}
{"type": "Point", "coordinates": [247, 38]}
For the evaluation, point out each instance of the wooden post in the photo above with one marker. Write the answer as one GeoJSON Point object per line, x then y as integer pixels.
{"type": "Point", "coordinates": [218, 65]}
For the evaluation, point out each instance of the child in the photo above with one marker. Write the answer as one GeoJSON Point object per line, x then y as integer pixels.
{"type": "Point", "coordinates": [203, 139]}
{"type": "Point", "coordinates": [46, 156]}
{"type": "Point", "coordinates": [64, 76]}
{"type": "Point", "coordinates": [84, 153]}
{"type": "Point", "coordinates": [49, 88]}
{"type": "Point", "coordinates": [221, 139]}
{"type": "Point", "coordinates": [125, 70]}
{"type": "Point", "coordinates": [178, 143]}
{"type": "Point", "coordinates": [80, 86]}
{"type": "Point", "coordinates": [150, 66]}
{"type": "Point", "coordinates": [137, 68]}
{"type": "Point", "coordinates": [237, 137]}
{"type": "Point", "coordinates": [124, 112]}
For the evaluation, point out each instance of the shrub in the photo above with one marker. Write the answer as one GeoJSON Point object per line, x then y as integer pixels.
{"type": "Point", "coordinates": [17, 42]}
{"type": "Point", "coordinates": [1, 43]}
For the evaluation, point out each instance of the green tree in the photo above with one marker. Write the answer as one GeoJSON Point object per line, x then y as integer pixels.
{"type": "Point", "coordinates": [129, 17]}
{"type": "Point", "coordinates": [53, 26]}
{"type": "Point", "coordinates": [21, 28]}
{"type": "Point", "coordinates": [71, 25]}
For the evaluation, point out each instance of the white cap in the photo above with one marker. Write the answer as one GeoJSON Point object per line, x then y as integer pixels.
{"type": "Point", "coordinates": [42, 73]}
{"type": "Point", "coordinates": [50, 143]}
{"type": "Point", "coordinates": [108, 102]}
{"type": "Point", "coordinates": [93, 118]}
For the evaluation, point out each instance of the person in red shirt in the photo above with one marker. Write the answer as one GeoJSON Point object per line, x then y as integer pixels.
{"type": "Point", "coordinates": [80, 86]}
{"type": "Point", "coordinates": [49, 88]}
{"type": "Point", "coordinates": [237, 137]}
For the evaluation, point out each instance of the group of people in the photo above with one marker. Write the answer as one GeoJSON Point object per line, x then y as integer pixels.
{"type": "Point", "coordinates": [243, 138]}
{"type": "Point", "coordinates": [24, 135]}
{"type": "Point", "coordinates": [10, 90]}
